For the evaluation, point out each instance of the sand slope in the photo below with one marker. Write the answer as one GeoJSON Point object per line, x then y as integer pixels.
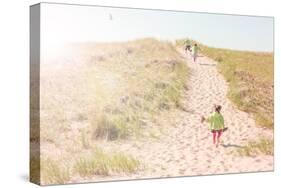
{"type": "Point", "coordinates": [186, 148]}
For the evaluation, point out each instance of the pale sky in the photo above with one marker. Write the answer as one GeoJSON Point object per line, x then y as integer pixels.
{"type": "Point", "coordinates": [61, 24]}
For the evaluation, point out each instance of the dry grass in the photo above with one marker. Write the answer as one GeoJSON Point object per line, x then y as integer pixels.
{"type": "Point", "coordinates": [101, 163]}
{"type": "Point", "coordinates": [250, 76]}
{"type": "Point", "coordinates": [54, 172]}
{"type": "Point", "coordinates": [97, 162]}
{"type": "Point", "coordinates": [263, 146]}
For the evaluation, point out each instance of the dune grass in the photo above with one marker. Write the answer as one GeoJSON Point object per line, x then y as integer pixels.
{"type": "Point", "coordinates": [263, 146]}
{"type": "Point", "coordinates": [97, 162]}
{"type": "Point", "coordinates": [250, 76]}
{"type": "Point", "coordinates": [54, 172]}
{"type": "Point", "coordinates": [101, 163]}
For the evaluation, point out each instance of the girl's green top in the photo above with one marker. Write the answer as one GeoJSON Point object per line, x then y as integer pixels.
{"type": "Point", "coordinates": [195, 50]}
{"type": "Point", "coordinates": [216, 121]}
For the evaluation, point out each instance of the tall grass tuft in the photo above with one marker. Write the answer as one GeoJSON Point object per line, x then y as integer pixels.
{"type": "Point", "coordinates": [54, 172]}
{"type": "Point", "coordinates": [101, 163]}
{"type": "Point", "coordinates": [109, 127]}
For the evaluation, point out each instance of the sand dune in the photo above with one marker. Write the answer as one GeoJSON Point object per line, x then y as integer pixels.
{"type": "Point", "coordinates": [172, 143]}
{"type": "Point", "coordinates": [186, 148]}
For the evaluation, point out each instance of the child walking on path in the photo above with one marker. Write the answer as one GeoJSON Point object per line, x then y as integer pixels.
{"type": "Point", "coordinates": [195, 50]}
{"type": "Point", "coordinates": [216, 122]}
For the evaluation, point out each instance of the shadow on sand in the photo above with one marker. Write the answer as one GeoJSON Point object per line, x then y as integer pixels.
{"type": "Point", "coordinates": [231, 145]}
{"type": "Point", "coordinates": [207, 64]}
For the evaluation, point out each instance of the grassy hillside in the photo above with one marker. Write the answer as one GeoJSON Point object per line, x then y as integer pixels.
{"type": "Point", "coordinates": [250, 77]}
{"type": "Point", "coordinates": [104, 91]}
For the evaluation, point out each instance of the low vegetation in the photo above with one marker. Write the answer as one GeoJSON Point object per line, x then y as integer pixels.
{"type": "Point", "coordinates": [97, 162]}
{"type": "Point", "coordinates": [54, 172]}
{"type": "Point", "coordinates": [101, 163]}
{"type": "Point", "coordinates": [263, 146]}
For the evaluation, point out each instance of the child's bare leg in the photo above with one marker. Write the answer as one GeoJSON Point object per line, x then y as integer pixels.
{"type": "Point", "coordinates": [218, 136]}
{"type": "Point", "coordinates": [214, 137]}
{"type": "Point", "coordinates": [195, 57]}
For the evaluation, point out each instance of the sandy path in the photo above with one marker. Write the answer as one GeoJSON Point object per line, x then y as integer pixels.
{"type": "Point", "coordinates": [186, 149]}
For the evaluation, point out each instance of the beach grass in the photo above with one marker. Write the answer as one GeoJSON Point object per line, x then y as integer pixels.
{"type": "Point", "coordinates": [101, 163]}
{"type": "Point", "coordinates": [263, 146]}
{"type": "Point", "coordinates": [54, 171]}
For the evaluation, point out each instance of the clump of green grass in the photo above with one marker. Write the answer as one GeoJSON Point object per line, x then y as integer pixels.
{"type": "Point", "coordinates": [123, 163]}
{"type": "Point", "coordinates": [173, 92]}
{"type": "Point", "coordinates": [263, 146]}
{"type": "Point", "coordinates": [97, 164]}
{"type": "Point", "coordinates": [110, 127]}
{"type": "Point", "coordinates": [101, 163]}
{"type": "Point", "coordinates": [54, 172]}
